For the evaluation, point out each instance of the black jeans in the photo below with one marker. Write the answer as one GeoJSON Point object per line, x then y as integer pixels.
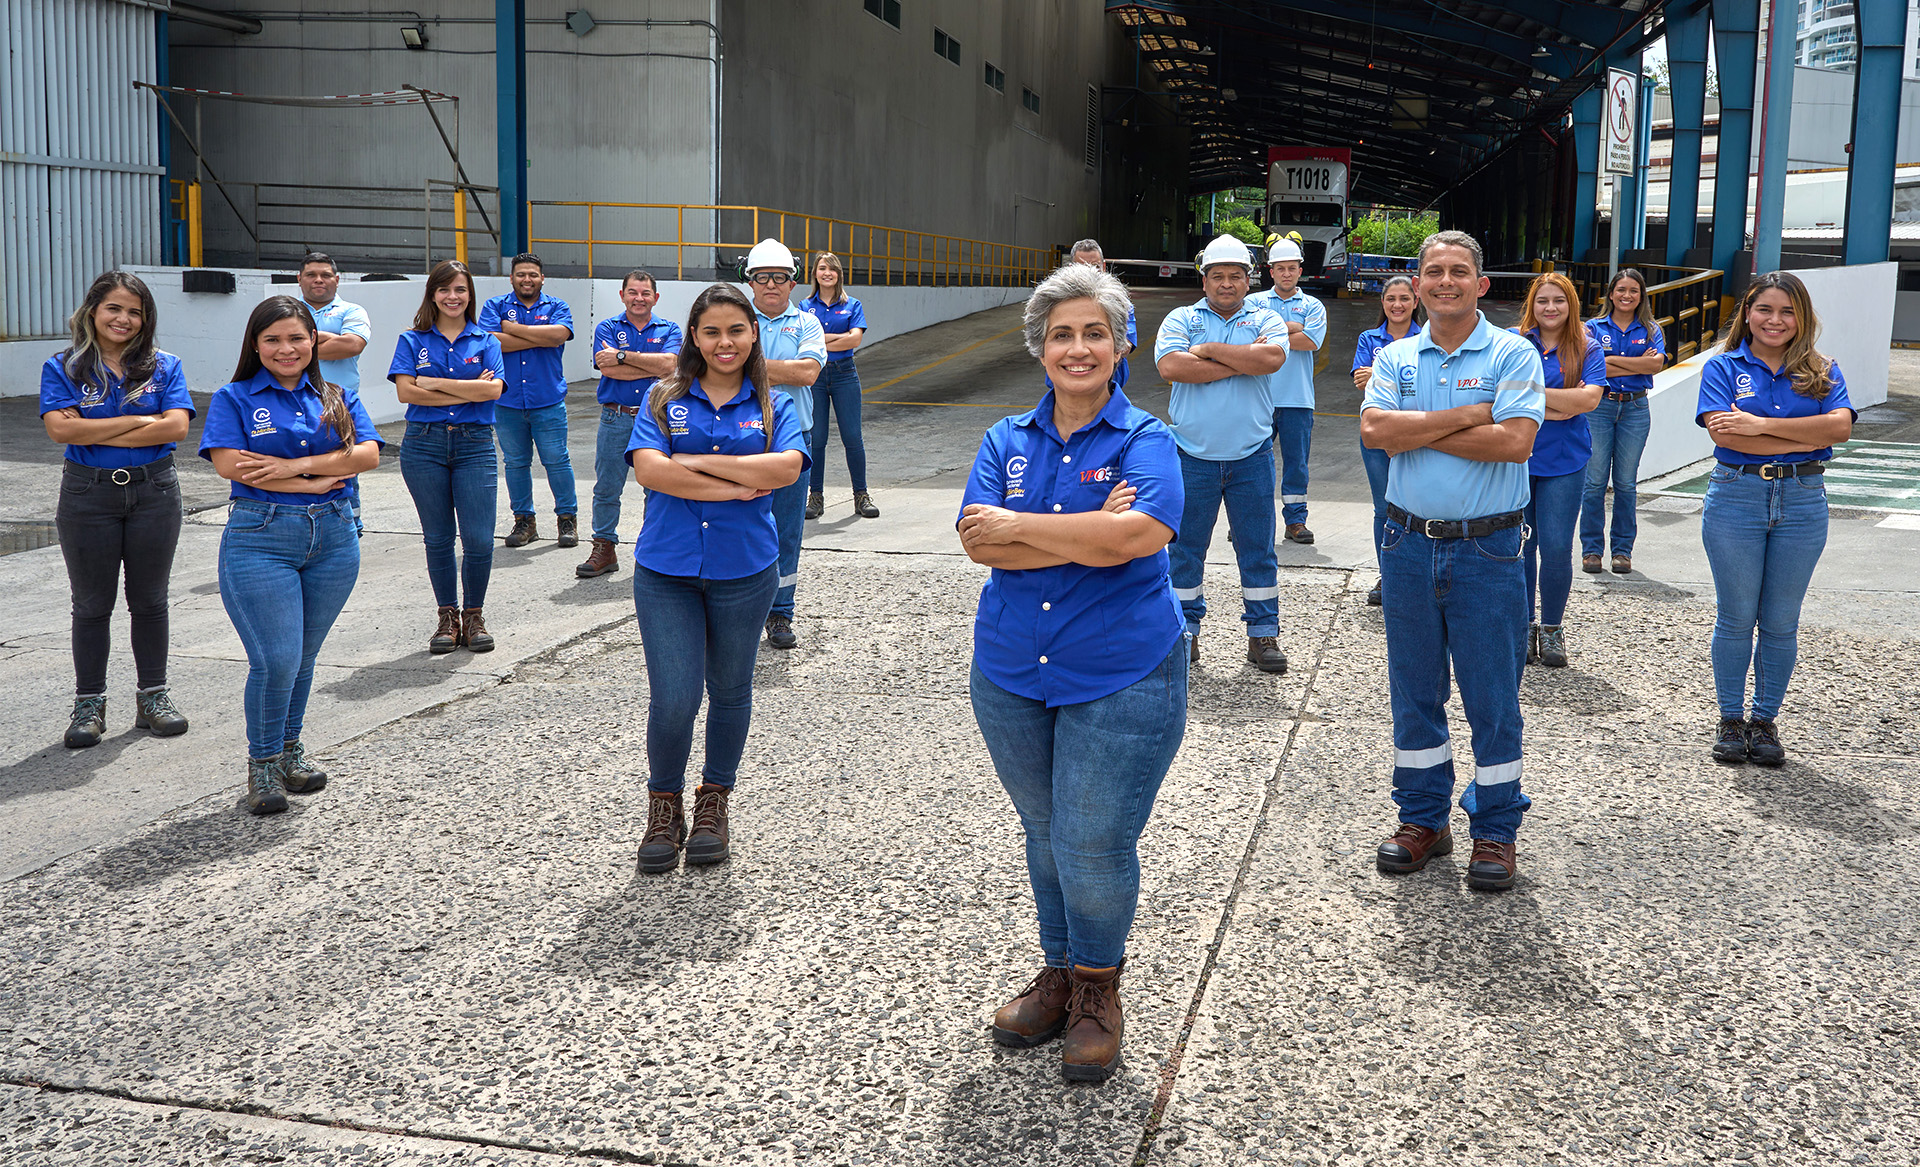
{"type": "Point", "coordinates": [104, 524]}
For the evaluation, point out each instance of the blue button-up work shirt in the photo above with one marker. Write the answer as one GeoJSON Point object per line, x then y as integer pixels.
{"type": "Point", "coordinates": [1228, 419]}
{"type": "Point", "coordinates": [534, 377]}
{"type": "Point", "coordinates": [620, 333]}
{"type": "Point", "coordinates": [1292, 385]}
{"type": "Point", "coordinates": [838, 318]}
{"type": "Point", "coordinates": [791, 336]}
{"type": "Point", "coordinates": [1635, 340]}
{"type": "Point", "coordinates": [1563, 447]}
{"type": "Point", "coordinates": [1371, 342]}
{"type": "Point", "coordinates": [729, 539]}
{"type": "Point", "coordinates": [1072, 633]}
{"type": "Point", "coordinates": [166, 389]}
{"type": "Point", "coordinates": [1739, 380]}
{"type": "Point", "coordinates": [259, 416]}
{"type": "Point", "coordinates": [1493, 366]}
{"type": "Point", "coordinates": [429, 354]}
{"type": "Point", "coordinates": [342, 319]}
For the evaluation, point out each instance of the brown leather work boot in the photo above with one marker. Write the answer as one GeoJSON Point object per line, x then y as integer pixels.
{"type": "Point", "coordinates": [1409, 848]}
{"type": "Point", "coordinates": [473, 631]}
{"type": "Point", "coordinates": [1091, 1049]}
{"type": "Point", "coordinates": [666, 830]}
{"type": "Point", "coordinates": [1038, 1014]}
{"type": "Point", "coordinates": [602, 560]}
{"type": "Point", "coordinates": [707, 841]}
{"type": "Point", "coordinates": [525, 531]}
{"type": "Point", "coordinates": [446, 637]}
{"type": "Point", "coordinates": [1493, 865]}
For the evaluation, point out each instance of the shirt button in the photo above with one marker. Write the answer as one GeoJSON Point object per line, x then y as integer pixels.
{"type": "Point", "coordinates": [716, 447]}
{"type": "Point", "coordinates": [1066, 457]}
{"type": "Point", "coordinates": [703, 525]}
{"type": "Point", "coordinates": [1056, 506]}
{"type": "Point", "coordinates": [1046, 607]}
{"type": "Point", "coordinates": [1043, 660]}
{"type": "Point", "coordinates": [303, 443]}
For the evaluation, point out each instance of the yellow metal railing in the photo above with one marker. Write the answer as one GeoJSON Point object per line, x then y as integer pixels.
{"type": "Point", "coordinates": [187, 209]}
{"type": "Point", "coordinates": [873, 254]}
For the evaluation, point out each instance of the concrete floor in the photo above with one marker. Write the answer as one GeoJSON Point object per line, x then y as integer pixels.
{"type": "Point", "coordinates": [447, 956]}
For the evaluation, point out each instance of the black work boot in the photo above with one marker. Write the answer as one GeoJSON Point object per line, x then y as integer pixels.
{"type": "Point", "coordinates": [707, 841]}
{"type": "Point", "coordinates": [265, 794]}
{"type": "Point", "coordinates": [1730, 743]}
{"type": "Point", "coordinates": [89, 722]}
{"type": "Point", "coordinates": [569, 535]}
{"type": "Point", "coordinates": [156, 711]}
{"type": "Point", "coordinates": [816, 505]}
{"type": "Point", "coordinates": [1763, 744]}
{"type": "Point", "coordinates": [298, 774]}
{"type": "Point", "coordinates": [524, 531]}
{"type": "Point", "coordinates": [1263, 652]}
{"type": "Point", "coordinates": [780, 632]}
{"type": "Point", "coordinates": [666, 830]}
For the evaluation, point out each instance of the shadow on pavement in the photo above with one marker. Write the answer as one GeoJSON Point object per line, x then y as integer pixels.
{"type": "Point", "coordinates": [1808, 799]}
{"type": "Point", "coordinates": [226, 833]}
{"type": "Point", "coordinates": [59, 768]}
{"type": "Point", "coordinates": [1493, 951]}
{"type": "Point", "coordinates": [1572, 690]}
{"type": "Point", "coordinates": [655, 924]}
{"type": "Point", "coordinates": [419, 669]}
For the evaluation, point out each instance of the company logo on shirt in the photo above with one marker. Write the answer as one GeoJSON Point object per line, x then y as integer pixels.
{"type": "Point", "coordinates": [753, 423]}
{"type": "Point", "coordinates": [623, 338]}
{"type": "Point", "coordinates": [1743, 385]}
{"type": "Point", "coordinates": [424, 361]}
{"type": "Point", "coordinates": [136, 392]}
{"type": "Point", "coordinates": [1102, 474]}
{"type": "Point", "coordinates": [263, 423]}
{"type": "Point", "coordinates": [1606, 340]}
{"type": "Point", "coordinates": [1016, 471]}
{"type": "Point", "coordinates": [1406, 383]}
{"type": "Point", "coordinates": [1468, 383]}
{"type": "Point", "coordinates": [677, 413]}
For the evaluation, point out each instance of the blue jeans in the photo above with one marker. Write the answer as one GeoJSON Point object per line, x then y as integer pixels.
{"type": "Point", "coordinates": [1763, 540]}
{"type": "Point", "coordinates": [790, 519]}
{"type": "Point", "coordinates": [1619, 438]}
{"type": "Point", "coordinates": [1247, 488]}
{"type": "Point", "coordinates": [610, 472]}
{"type": "Point", "coordinates": [1376, 463]}
{"type": "Point", "coordinates": [1083, 779]}
{"type": "Point", "coordinates": [285, 573]}
{"type": "Point", "coordinates": [1461, 601]}
{"type": "Point", "coordinates": [521, 430]}
{"type": "Point", "coordinates": [454, 477]}
{"type": "Point", "coordinates": [839, 387]}
{"type": "Point", "coordinates": [1551, 512]}
{"type": "Point", "coordinates": [1292, 445]}
{"type": "Point", "coordinates": [699, 634]}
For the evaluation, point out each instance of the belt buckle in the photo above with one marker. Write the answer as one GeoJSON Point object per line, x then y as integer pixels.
{"type": "Point", "coordinates": [1427, 525]}
{"type": "Point", "coordinates": [122, 476]}
{"type": "Point", "coordinates": [1774, 470]}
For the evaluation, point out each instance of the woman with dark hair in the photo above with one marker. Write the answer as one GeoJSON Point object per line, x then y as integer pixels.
{"type": "Point", "coordinates": [1079, 681]}
{"type": "Point", "coordinates": [1399, 319]}
{"type": "Point", "coordinates": [290, 442]}
{"type": "Point", "coordinates": [1775, 408]}
{"type": "Point", "coordinates": [1635, 349]}
{"type": "Point", "coordinates": [449, 372]}
{"type": "Point", "coordinates": [711, 444]}
{"type": "Point", "coordinates": [119, 405]}
{"type": "Point", "coordinates": [845, 322]}
{"type": "Point", "coordinates": [1576, 376]}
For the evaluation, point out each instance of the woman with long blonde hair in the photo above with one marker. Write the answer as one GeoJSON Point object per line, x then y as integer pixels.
{"type": "Point", "coordinates": [1775, 407]}
{"type": "Point", "coordinates": [844, 321]}
{"type": "Point", "coordinates": [711, 443]}
{"type": "Point", "coordinates": [1576, 375]}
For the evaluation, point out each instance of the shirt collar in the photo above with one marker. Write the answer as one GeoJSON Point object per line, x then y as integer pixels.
{"type": "Point", "coordinates": [1479, 338]}
{"type": "Point", "coordinates": [262, 381]}
{"type": "Point", "coordinates": [1206, 305]}
{"type": "Point", "coordinates": [625, 321]}
{"type": "Point", "coordinates": [471, 329]}
{"type": "Point", "coordinates": [792, 310]}
{"type": "Point", "coordinates": [1113, 413]}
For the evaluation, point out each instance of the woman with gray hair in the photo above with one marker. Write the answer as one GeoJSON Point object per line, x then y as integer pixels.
{"type": "Point", "coordinates": [1079, 678]}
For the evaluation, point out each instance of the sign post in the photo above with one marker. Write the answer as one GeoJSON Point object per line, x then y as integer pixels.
{"type": "Point", "coordinates": [1616, 149]}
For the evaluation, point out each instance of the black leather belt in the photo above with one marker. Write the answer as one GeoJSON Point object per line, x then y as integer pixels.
{"type": "Point", "coordinates": [1454, 528]}
{"type": "Point", "coordinates": [1629, 395]}
{"type": "Point", "coordinates": [120, 475]}
{"type": "Point", "coordinates": [1771, 470]}
{"type": "Point", "coordinates": [629, 410]}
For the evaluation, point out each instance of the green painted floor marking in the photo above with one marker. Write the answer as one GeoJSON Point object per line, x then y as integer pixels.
{"type": "Point", "coordinates": [1868, 474]}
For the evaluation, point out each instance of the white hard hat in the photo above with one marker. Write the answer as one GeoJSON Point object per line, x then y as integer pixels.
{"type": "Point", "coordinates": [1226, 249]}
{"type": "Point", "coordinates": [1283, 250]}
{"type": "Point", "coordinates": [770, 253]}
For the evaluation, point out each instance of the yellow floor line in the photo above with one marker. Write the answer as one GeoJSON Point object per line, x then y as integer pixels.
{"type": "Point", "coordinates": [941, 361]}
{"type": "Point", "coordinates": [959, 404]}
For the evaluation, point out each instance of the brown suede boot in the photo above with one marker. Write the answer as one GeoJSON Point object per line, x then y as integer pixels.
{"type": "Point", "coordinates": [1091, 1049]}
{"type": "Point", "coordinates": [473, 631]}
{"type": "Point", "coordinates": [666, 830]}
{"type": "Point", "coordinates": [600, 561]}
{"type": "Point", "coordinates": [1038, 1014]}
{"type": "Point", "coordinates": [707, 841]}
{"type": "Point", "coordinates": [446, 637]}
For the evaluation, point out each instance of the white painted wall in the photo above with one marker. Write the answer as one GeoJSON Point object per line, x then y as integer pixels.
{"type": "Point", "coordinates": [204, 330]}
{"type": "Point", "coordinates": [1855, 306]}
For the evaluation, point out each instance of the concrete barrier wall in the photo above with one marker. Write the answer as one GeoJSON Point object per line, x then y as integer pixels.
{"type": "Point", "coordinates": [1855, 306]}
{"type": "Point", "coordinates": [205, 330]}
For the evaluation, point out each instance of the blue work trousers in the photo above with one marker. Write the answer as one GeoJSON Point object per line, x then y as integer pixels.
{"type": "Point", "coordinates": [838, 390]}
{"type": "Point", "coordinates": [453, 474]}
{"type": "Point", "coordinates": [521, 432]}
{"type": "Point", "coordinates": [1459, 603]}
{"type": "Point", "coordinates": [699, 636]}
{"type": "Point", "coordinates": [1292, 448]}
{"type": "Point", "coordinates": [1246, 486]}
{"type": "Point", "coordinates": [1763, 540]}
{"type": "Point", "coordinates": [1083, 779]}
{"type": "Point", "coordinates": [1376, 463]}
{"type": "Point", "coordinates": [285, 574]}
{"type": "Point", "coordinates": [611, 473]}
{"type": "Point", "coordinates": [1551, 513]}
{"type": "Point", "coordinates": [790, 519]}
{"type": "Point", "coordinates": [1619, 431]}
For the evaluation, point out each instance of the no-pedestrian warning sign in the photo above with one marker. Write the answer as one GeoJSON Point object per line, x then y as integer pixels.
{"type": "Point", "coordinates": [1616, 142]}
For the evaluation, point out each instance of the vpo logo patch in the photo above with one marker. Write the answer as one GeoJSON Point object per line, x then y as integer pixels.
{"type": "Point", "coordinates": [263, 416]}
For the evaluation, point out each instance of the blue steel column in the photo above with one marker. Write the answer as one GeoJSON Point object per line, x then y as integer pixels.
{"type": "Point", "coordinates": [1636, 237]}
{"type": "Point", "coordinates": [1586, 171]}
{"type": "Point", "coordinates": [510, 121]}
{"type": "Point", "coordinates": [1775, 122]}
{"type": "Point", "coordinates": [1687, 62]}
{"type": "Point", "coordinates": [1736, 48]}
{"type": "Point", "coordinates": [1876, 129]}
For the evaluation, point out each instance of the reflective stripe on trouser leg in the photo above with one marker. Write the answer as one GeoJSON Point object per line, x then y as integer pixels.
{"type": "Point", "coordinates": [1293, 498]}
{"type": "Point", "coordinates": [787, 581]}
{"type": "Point", "coordinates": [1184, 594]}
{"type": "Point", "coordinates": [1423, 785]}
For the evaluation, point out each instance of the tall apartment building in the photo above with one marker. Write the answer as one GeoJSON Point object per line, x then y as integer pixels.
{"type": "Point", "coordinates": [1825, 36]}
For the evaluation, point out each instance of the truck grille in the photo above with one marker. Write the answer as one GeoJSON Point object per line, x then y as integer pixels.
{"type": "Point", "coordinates": [1314, 254]}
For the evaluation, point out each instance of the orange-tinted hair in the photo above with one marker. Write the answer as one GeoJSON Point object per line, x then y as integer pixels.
{"type": "Point", "coordinates": [1572, 342]}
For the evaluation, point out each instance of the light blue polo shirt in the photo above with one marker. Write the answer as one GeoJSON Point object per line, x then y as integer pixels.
{"type": "Point", "coordinates": [791, 336]}
{"type": "Point", "coordinates": [1738, 380]}
{"type": "Point", "coordinates": [1635, 340]}
{"type": "Point", "coordinates": [1292, 386]}
{"type": "Point", "coordinates": [535, 379]}
{"type": "Point", "coordinates": [1493, 366]}
{"type": "Point", "coordinates": [1228, 419]}
{"type": "Point", "coordinates": [342, 319]}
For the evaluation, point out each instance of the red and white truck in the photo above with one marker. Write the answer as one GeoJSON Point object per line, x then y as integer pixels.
{"type": "Point", "coordinates": [1307, 194]}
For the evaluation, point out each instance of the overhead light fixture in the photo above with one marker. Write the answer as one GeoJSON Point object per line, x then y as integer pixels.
{"type": "Point", "coordinates": [1230, 94]}
{"type": "Point", "coordinates": [1540, 50]}
{"type": "Point", "coordinates": [580, 22]}
{"type": "Point", "coordinates": [1206, 50]}
{"type": "Point", "coordinates": [413, 36]}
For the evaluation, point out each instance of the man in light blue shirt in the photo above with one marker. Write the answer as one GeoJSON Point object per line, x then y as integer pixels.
{"type": "Point", "coordinates": [1292, 386]}
{"type": "Point", "coordinates": [1455, 406]}
{"type": "Point", "coordinates": [1218, 354]}
{"type": "Point", "coordinates": [795, 347]}
{"type": "Point", "coordinates": [344, 333]}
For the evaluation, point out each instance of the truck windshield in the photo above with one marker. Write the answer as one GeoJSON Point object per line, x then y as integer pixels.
{"type": "Point", "coordinates": [1305, 214]}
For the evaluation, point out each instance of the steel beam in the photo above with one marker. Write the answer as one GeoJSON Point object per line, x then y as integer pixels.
{"type": "Point", "coordinates": [1775, 122]}
{"type": "Point", "coordinates": [1586, 170]}
{"type": "Point", "coordinates": [1736, 50]}
{"type": "Point", "coordinates": [1876, 130]}
{"type": "Point", "coordinates": [510, 121]}
{"type": "Point", "coordinates": [1687, 64]}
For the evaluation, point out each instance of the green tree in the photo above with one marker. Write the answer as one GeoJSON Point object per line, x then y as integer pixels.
{"type": "Point", "coordinates": [1244, 229]}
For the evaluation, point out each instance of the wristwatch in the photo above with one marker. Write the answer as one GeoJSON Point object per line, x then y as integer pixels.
{"type": "Point", "coordinates": [620, 356]}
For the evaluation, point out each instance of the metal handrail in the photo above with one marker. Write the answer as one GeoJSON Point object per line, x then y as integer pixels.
{"type": "Point", "coordinates": [888, 255]}
{"type": "Point", "coordinates": [1686, 306]}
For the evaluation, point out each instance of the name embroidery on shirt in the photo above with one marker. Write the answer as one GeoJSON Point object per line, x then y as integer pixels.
{"type": "Point", "coordinates": [1406, 383]}
{"type": "Point", "coordinates": [1467, 383]}
{"type": "Point", "coordinates": [262, 423]}
{"type": "Point", "coordinates": [424, 360]}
